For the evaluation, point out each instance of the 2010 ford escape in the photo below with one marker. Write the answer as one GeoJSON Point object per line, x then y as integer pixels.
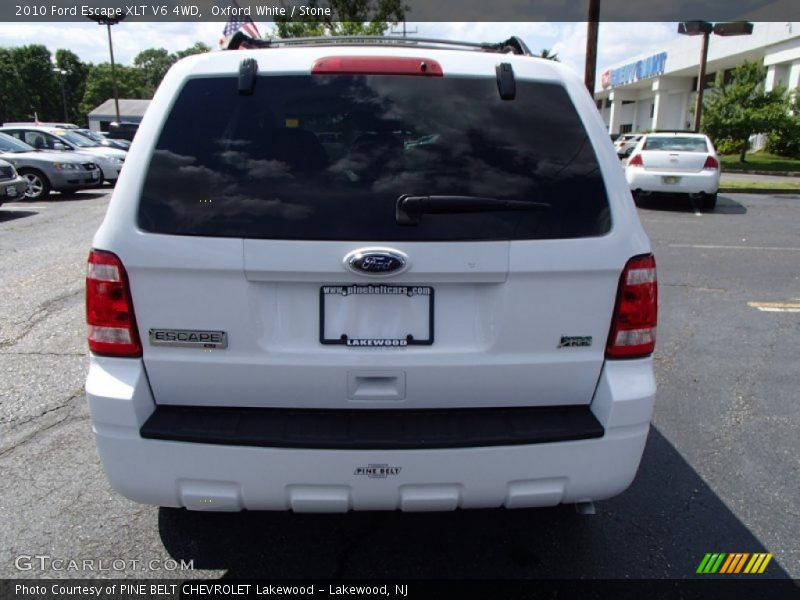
{"type": "Point", "coordinates": [371, 275]}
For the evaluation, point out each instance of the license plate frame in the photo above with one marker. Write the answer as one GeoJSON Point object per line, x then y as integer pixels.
{"type": "Point", "coordinates": [376, 290]}
{"type": "Point", "coordinates": [670, 179]}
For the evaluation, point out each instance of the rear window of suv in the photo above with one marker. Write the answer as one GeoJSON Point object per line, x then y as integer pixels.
{"type": "Point", "coordinates": [326, 158]}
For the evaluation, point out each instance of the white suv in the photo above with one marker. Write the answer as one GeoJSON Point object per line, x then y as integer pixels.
{"type": "Point", "coordinates": [371, 275]}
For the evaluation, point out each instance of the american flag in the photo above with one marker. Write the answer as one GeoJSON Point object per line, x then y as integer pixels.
{"type": "Point", "coordinates": [237, 22]}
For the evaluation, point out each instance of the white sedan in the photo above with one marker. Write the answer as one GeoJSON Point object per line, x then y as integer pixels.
{"type": "Point", "coordinates": [675, 163]}
{"type": "Point", "coordinates": [625, 143]}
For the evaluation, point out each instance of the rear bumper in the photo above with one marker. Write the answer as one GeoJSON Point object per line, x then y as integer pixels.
{"type": "Point", "coordinates": [206, 476]}
{"type": "Point", "coordinates": [706, 182]}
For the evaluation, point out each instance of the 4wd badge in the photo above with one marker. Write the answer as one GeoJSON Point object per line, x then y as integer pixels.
{"type": "Point", "coordinates": [575, 341]}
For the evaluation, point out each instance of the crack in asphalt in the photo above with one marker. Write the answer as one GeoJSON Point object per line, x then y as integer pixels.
{"type": "Point", "coordinates": [68, 407]}
{"type": "Point", "coordinates": [44, 311]}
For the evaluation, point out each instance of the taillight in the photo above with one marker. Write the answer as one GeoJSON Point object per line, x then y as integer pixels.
{"type": "Point", "coordinates": [711, 163]}
{"type": "Point", "coordinates": [111, 325]}
{"type": "Point", "coordinates": [376, 65]}
{"type": "Point", "coordinates": [636, 161]}
{"type": "Point", "coordinates": [633, 327]}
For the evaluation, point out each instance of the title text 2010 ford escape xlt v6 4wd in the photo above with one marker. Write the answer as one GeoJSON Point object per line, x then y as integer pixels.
{"type": "Point", "coordinates": [357, 276]}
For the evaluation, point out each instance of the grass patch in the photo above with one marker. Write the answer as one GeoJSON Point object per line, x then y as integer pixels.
{"type": "Point", "coordinates": [763, 185]}
{"type": "Point", "coordinates": [759, 161]}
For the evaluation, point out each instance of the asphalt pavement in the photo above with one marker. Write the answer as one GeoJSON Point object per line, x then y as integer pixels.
{"type": "Point", "coordinates": [720, 472]}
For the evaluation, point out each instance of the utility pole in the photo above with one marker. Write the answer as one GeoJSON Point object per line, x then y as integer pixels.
{"type": "Point", "coordinates": [108, 22]}
{"type": "Point", "coordinates": [701, 82]}
{"type": "Point", "coordinates": [706, 28]}
{"type": "Point", "coordinates": [592, 26]}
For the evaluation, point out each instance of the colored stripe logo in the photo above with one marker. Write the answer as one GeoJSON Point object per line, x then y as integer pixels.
{"type": "Point", "coordinates": [734, 563]}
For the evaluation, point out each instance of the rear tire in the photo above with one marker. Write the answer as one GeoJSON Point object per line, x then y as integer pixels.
{"type": "Point", "coordinates": [708, 202]}
{"type": "Point", "coordinates": [38, 185]}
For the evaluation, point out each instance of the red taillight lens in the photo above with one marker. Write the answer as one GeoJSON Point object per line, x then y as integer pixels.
{"type": "Point", "coordinates": [636, 161]}
{"type": "Point", "coordinates": [376, 65]}
{"type": "Point", "coordinates": [633, 328]}
{"type": "Point", "coordinates": [111, 325]}
{"type": "Point", "coordinates": [711, 163]}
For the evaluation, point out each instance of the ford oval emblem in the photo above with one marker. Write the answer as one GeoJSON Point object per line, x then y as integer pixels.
{"type": "Point", "coordinates": [378, 262]}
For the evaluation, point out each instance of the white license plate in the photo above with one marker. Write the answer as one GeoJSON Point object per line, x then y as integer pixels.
{"type": "Point", "coordinates": [671, 179]}
{"type": "Point", "coordinates": [376, 315]}
{"type": "Point", "coordinates": [11, 190]}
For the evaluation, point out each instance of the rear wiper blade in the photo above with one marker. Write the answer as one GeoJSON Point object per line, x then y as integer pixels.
{"type": "Point", "coordinates": [409, 209]}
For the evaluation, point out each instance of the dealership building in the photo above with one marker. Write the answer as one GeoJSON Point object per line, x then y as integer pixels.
{"type": "Point", "coordinates": [657, 90]}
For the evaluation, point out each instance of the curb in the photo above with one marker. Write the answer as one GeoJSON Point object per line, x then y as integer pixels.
{"type": "Point", "coordinates": [724, 190]}
{"type": "Point", "coordinates": [759, 172]}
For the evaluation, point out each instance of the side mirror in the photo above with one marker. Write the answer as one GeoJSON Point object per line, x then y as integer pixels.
{"type": "Point", "coordinates": [60, 146]}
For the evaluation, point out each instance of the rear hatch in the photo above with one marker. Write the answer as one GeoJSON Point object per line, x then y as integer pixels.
{"type": "Point", "coordinates": [684, 154]}
{"type": "Point", "coordinates": [253, 204]}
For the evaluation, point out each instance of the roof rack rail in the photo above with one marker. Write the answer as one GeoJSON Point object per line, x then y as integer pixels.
{"type": "Point", "coordinates": [513, 45]}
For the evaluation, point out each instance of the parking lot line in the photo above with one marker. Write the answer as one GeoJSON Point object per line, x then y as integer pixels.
{"type": "Point", "coordinates": [775, 306]}
{"type": "Point", "coordinates": [722, 247]}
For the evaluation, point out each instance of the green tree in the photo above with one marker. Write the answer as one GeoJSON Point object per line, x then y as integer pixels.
{"type": "Point", "coordinates": [197, 48]}
{"type": "Point", "coordinates": [733, 112]}
{"type": "Point", "coordinates": [154, 64]}
{"type": "Point", "coordinates": [785, 140]}
{"type": "Point", "coordinates": [348, 17]}
{"type": "Point", "coordinates": [40, 91]}
{"type": "Point", "coordinates": [99, 88]}
{"type": "Point", "coordinates": [13, 99]}
{"type": "Point", "coordinates": [74, 81]}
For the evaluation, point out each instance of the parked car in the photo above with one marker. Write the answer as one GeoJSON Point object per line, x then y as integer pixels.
{"type": "Point", "coordinates": [625, 143]}
{"type": "Point", "coordinates": [675, 163]}
{"type": "Point", "coordinates": [379, 324]}
{"type": "Point", "coordinates": [123, 130]}
{"type": "Point", "coordinates": [44, 172]}
{"type": "Point", "coordinates": [96, 137]}
{"type": "Point", "coordinates": [41, 124]}
{"type": "Point", "coordinates": [52, 139]}
{"type": "Point", "coordinates": [12, 186]}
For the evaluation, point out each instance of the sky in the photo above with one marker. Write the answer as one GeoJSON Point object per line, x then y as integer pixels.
{"type": "Point", "coordinates": [616, 41]}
